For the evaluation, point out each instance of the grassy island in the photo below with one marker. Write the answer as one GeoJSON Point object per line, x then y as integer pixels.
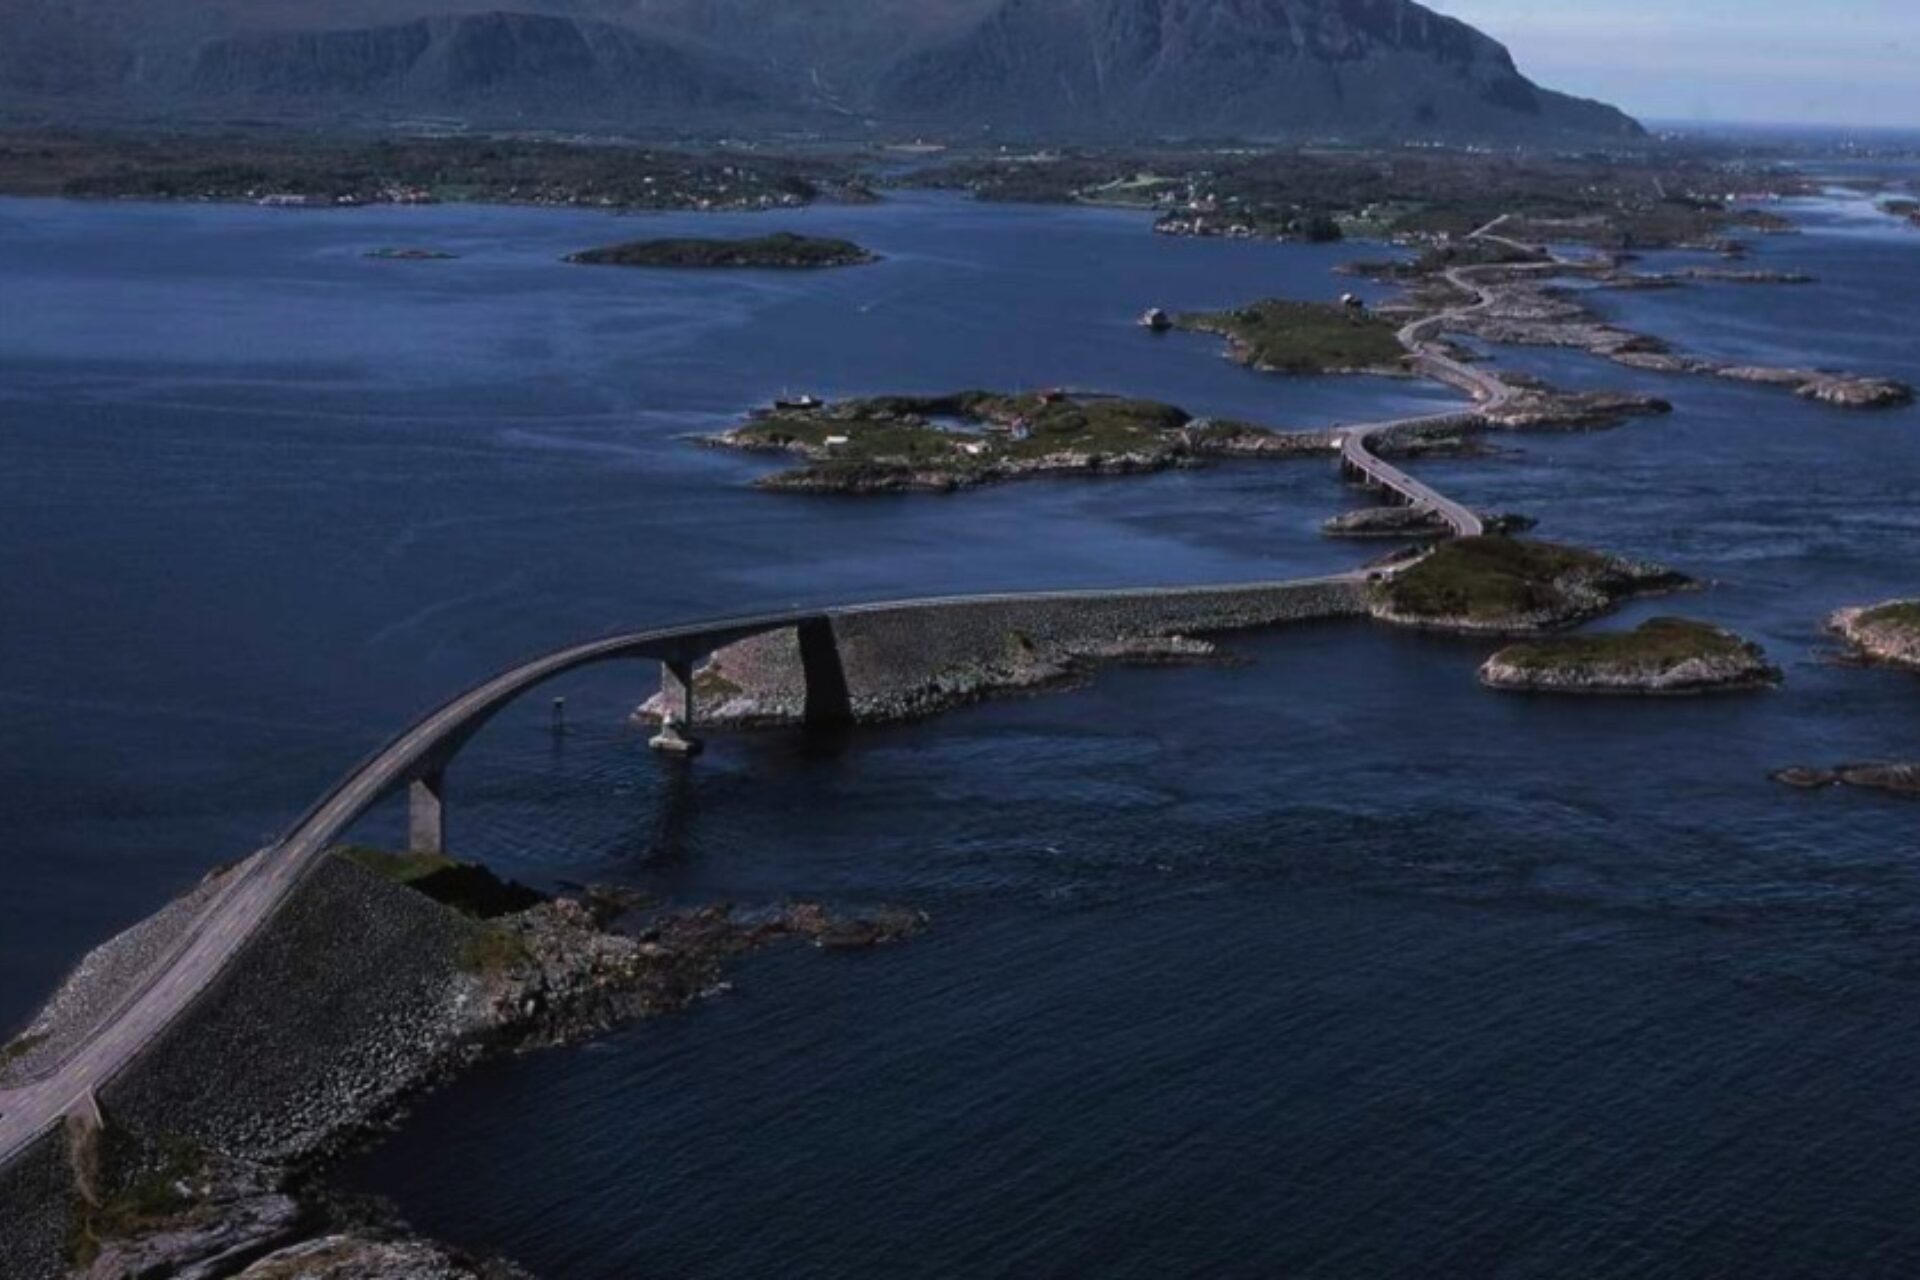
{"type": "Point", "coordinates": [893, 444]}
{"type": "Point", "coordinates": [783, 250]}
{"type": "Point", "coordinates": [1304, 337]}
{"type": "Point", "coordinates": [1663, 656]}
{"type": "Point", "coordinates": [1514, 585]}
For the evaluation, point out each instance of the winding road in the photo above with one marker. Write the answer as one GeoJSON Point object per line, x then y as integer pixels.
{"type": "Point", "coordinates": [256, 889]}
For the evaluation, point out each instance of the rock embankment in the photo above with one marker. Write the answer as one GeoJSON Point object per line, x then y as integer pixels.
{"type": "Point", "coordinates": [1514, 586]}
{"type": "Point", "coordinates": [36, 1193]}
{"type": "Point", "coordinates": [901, 664]}
{"type": "Point", "coordinates": [105, 979]}
{"type": "Point", "coordinates": [360, 991]}
{"type": "Point", "coordinates": [1888, 633]}
{"type": "Point", "coordinates": [1665, 656]}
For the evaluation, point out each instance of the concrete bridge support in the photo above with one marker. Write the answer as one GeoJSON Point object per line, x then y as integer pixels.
{"type": "Point", "coordinates": [427, 814]}
{"type": "Point", "coordinates": [829, 704]}
{"type": "Point", "coordinates": [676, 724]}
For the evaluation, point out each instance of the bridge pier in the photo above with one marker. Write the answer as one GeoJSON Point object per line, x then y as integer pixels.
{"type": "Point", "coordinates": [829, 704]}
{"type": "Point", "coordinates": [427, 814]}
{"type": "Point", "coordinates": [676, 723]}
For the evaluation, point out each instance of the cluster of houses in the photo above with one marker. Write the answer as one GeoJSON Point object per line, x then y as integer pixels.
{"type": "Point", "coordinates": [395, 194]}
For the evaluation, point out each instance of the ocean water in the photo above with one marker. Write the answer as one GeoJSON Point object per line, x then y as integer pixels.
{"type": "Point", "coordinates": [1325, 962]}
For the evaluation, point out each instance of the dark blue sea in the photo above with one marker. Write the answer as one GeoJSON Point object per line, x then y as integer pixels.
{"type": "Point", "coordinates": [1327, 963]}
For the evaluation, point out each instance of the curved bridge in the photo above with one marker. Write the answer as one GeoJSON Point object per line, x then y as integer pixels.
{"type": "Point", "coordinates": [417, 759]}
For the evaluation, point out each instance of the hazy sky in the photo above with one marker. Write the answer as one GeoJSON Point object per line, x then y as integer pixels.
{"type": "Point", "coordinates": [1775, 61]}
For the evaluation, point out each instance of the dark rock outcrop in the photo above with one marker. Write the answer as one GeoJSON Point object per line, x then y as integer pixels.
{"type": "Point", "coordinates": [1896, 778]}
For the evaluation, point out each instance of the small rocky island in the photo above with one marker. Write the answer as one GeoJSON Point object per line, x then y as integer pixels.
{"type": "Point", "coordinates": [1514, 586]}
{"type": "Point", "coordinates": [782, 250]}
{"type": "Point", "coordinates": [1281, 336]}
{"type": "Point", "coordinates": [1901, 779]}
{"type": "Point", "coordinates": [1901, 207]}
{"type": "Point", "coordinates": [411, 255]}
{"type": "Point", "coordinates": [1665, 656]}
{"type": "Point", "coordinates": [1888, 633]}
{"type": "Point", "coordinates": [939, 444]}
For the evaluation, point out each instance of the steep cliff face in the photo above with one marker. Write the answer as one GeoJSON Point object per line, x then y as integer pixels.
{"type": "Point", "coordinates": [1360, 66]}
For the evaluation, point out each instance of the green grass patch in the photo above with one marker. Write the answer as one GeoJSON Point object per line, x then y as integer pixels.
{"type": "Point", "coordinates": [401, 868]}
{"type": "Point", "coordinates": [905, 440]}
{"type": "Point", "coordinates": [1491, 579]}
{"type": "Point", "coordinates": [1656, 645]}
{"type": "Point", "coordinates": [467, 887]}
{"type": "Point", "coordinates": [1097, 426]}
{"type": "Point", "coordinates": [158, 1197]}
{"type": "Point", "coordinates": [1303, 337]}
{"type": "Point", "coordinates": [1903, 614]}
{"type": "Point", "coordinates": [961, 436]}
{"type": "Point", "coordinates": [782, 249]}
{"type": "Point", "coordinates": [491, 950]}
{"type": "Point", "coordinates": [19, 1047]}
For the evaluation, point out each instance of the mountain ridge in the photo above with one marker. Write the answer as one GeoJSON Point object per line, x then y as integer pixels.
{"type": "Point", "coordinates": [1254, 68]}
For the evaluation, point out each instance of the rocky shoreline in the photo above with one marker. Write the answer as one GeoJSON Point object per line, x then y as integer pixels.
{"type": "Point", "coordinates": [1885, 633]}
{"type": "Point", "coordinates": [212, 1159]}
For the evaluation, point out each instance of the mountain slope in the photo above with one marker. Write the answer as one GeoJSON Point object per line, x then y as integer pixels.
{"type": "Point", "coordinates": [1358, 68]}
{"type": "Point", "coordinates": [1245, 66]}
{"type": "Point", "coordinates": [524, 60]}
